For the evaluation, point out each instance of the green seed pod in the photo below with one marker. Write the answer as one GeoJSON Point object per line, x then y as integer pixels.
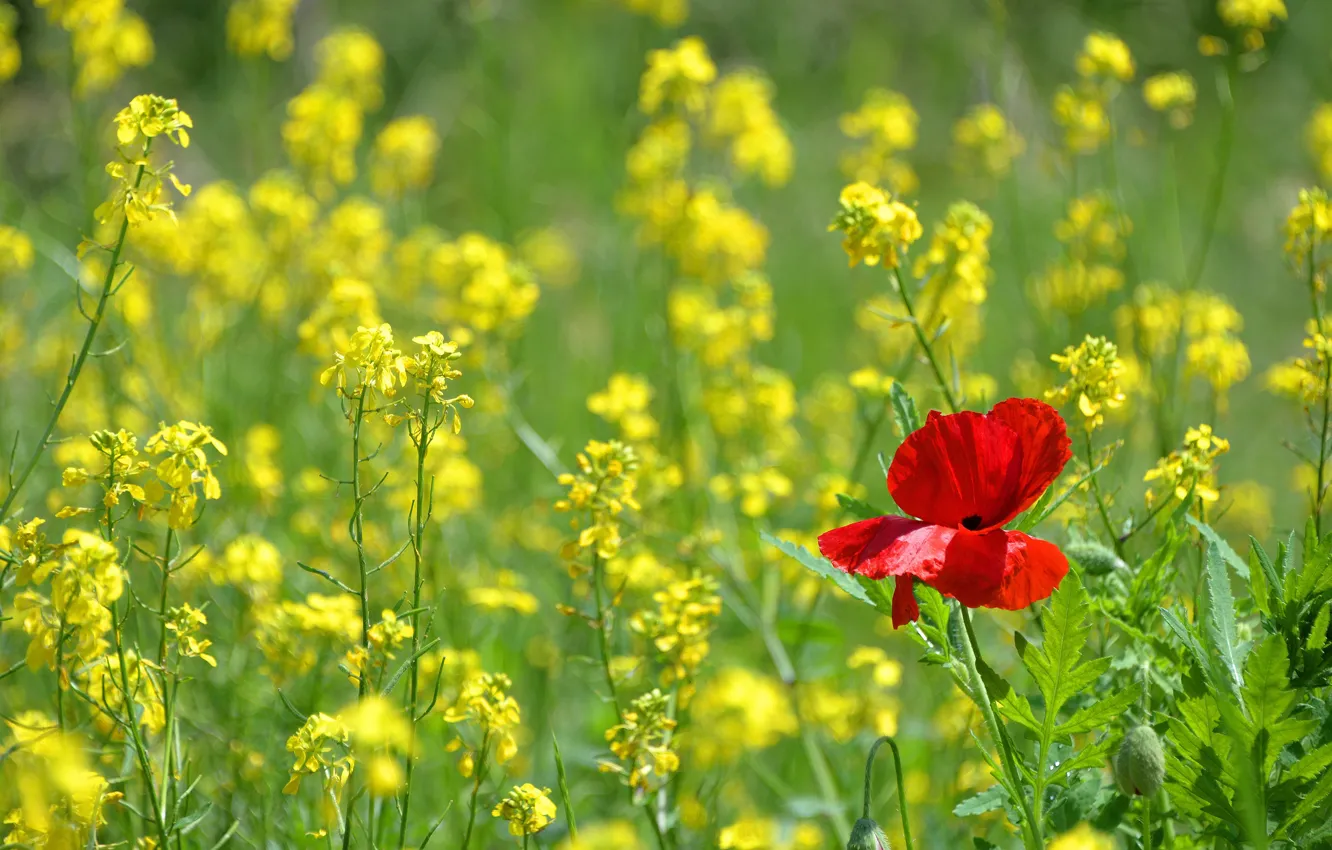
{"type": "Point", "coordinates": [1140, 764]}
{"type": "Point", "coordinates": [1096, 560]}
{"type": "Point", "coordinates": [866, 835]}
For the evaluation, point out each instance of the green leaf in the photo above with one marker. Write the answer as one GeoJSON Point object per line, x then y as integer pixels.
{"type": "Point", "coordinates": [1095, 755]}
{"type": "Point", "coordinates": [1276, 594]}
{"type": "Point", "coordinates": [858, 508]}
{"type": "Point", "coordinates": [1220, 622]}
{"type": "Point", "coordinates": [1312, 802]}
{"type": "Point", "coordinates": [1188, 636]}
{"type": "Point", "coordinates": [1048, 503]}
{"type": "Point", "coordinates": [990, 800]}
{"type": "Point", "coordinates": [1100, 714]}
{"type": "Point", "coordinates": [1311, 765]}
{"type": "Point", "coordinates": [819, 565]}
{"type": "Point", "coordinates": [1230, 555]}
{"type": "Point", "coordinates": [905, 413]}
{"type": "Point", "coordinates": [878, 593]}
{"type": "Point", "coordinates": [1017, 709]}
{"type": "Point", "coordinates": [1267, 692]}
{"type": "Point", "coordinates": [1054, 666]}
{"type": "Point", "coordinates": [1318, 635]}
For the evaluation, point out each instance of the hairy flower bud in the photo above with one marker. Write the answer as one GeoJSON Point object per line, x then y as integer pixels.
{"type": "Point", "coordinates": [1140, 764]}
{"type": "Point", "coordinates": [866, 835]}
{"type": "Point", "coordinates": [1095, 559]}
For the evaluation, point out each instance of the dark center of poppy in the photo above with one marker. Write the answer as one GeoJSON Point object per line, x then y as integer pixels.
{"type": "Point", "coordinates": [972, 522]}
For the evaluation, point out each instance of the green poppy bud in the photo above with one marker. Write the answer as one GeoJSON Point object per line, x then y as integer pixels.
{"type": "Point", "coordinates": [1095, 559]}
{"type": "Point", "coordinates": [866, 835]}
{"type": "Point", "coordinates": [1140, 764]}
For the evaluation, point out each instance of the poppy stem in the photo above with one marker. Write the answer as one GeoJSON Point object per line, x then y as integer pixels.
{"type": "Point", "coordinates": [901, 785]}
{"type": "Point", "coordinates": [925, 345]}
{"type": "Point", "coordinates": [1100, 500]}
{"type": "Point", "coordinates": [1032, 833]}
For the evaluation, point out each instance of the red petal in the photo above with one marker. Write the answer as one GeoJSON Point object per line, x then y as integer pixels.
{"type": "Point", "coordinates": [875, 548]}
{"type": "Point", "coordinates": [1033, 569]}
{"type": "Point", "coordinates": [905, 608]}
{"type": "Point", "coordinates": [972, 567]}
{"type": "Point", "coordinates": [964, 466]}
{"type": "Point", "coordinates": [1044, 446]}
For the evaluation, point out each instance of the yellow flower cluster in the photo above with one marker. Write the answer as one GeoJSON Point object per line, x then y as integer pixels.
{"type": "Point", "coordinates": [71, 625]}
{"type": "Point", "coordinates": [324, 122]}
{"type": "Point", "coordinates": [1095, 380]}
{"type": "Point", "coordinates": [261, 27]}
{"type": "Point", "coordinates": [741, 112]}
{"type": "Point", "coordinates": [677, 78]}
{"type": "Point", "coordinates": [1308, 227]}
{"type": "Point", "coordinates": [680, 626]}
{"type": "Point", "coordinates": [737, 711]}
{"type": "Point", "coordinates": [139, 183]}
{"type": "Point", "coordinates": [887, 123]}
{"type": "Point", "coordinates": [757, 833]}
{"type": "Point", "coordinates": [956, 266]}
{"type": "Point", "coordinates": [367, 662]}
{"type": "Point", "coordinates": [985, 142]}
{"type": "Point", "coordinates": [16, 254]}
{"type": "Point", "coordinates": [379, 733]}
{"type": "Point", "coordinates": [528, 809]}
{"type": "Point", "coordinates": [61, 799]}
{"type": "Point", "coordinates": [641, 743]}
{"type": "Point", "coordinates": [601, 489]}
{"type": "Point", "coordinates": [186, 469]}
{"type": "Point", "coordinates": [481, 285]}
{"type": "Point", "coordinates": [624, 402]}
{"type": "Point", "coordinates": [249, 563]}
{"type": "Point", "coordinates": [1084, 110]}
{"type": "Point", "coordinates": [876, 227]}
{"type": "Point", "coordinates": [1188, 470]}
{"type": "Point", "coordinates": [106, 40]}
{"type": "Point", "coordinates": [1093, 233]}
{"type": "Point", "coordinates": [184, 623]}
{"type": "Point", "coordinates": [484, 705]}
{"type": "Point", "coordinates": [865, 702]}
{"type": "Point", "coordinates": [1206, 324]}
{"type": "Point", "coordinates": [404, 156]}
{"type": "Point", "coordinates": [1173, 93]}
{"type": "Point", "coordinates": [1082, 837]}
{"type": "Point", "coordinates": [291, 634]}
{"type": "Point", "coordinates": [320, 746]}
{"type": "Point", "coordinates": [1305, 379]}
{"type": "Point", "coordinates": [1252, 18]}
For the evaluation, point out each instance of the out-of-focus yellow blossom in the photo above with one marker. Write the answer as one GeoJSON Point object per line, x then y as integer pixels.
{"type": "Point", "coordinates": [602, 488]}
{"type": "Point", "coordinates": [641, 744]}
{"type": "Point", "coordinates": [605, 835]}
{"type": "Point", "coordinates": [887, 671]}
{"type": "Point", "coordinates": [352, 62]}
{"type": "Point", "coordinates": [484, 704]}
{"type": "Point", "coordinates": [250, 563]}
{"type": "Point", "coordinates": [291, 635]}
{"type": "Point", "coordinates": [1095, 375]}
{"type": "Point", "coordinates": [16, 254]}
{"type": "Point", "coordinates": [403, 158]}
{"type": "Point", "coordinates": [375, 723]}
{"type": "Point", "coordinates": [1247, 509]}
{"type": "Point", "coordinates": [256, 27]}
{"type": "Point", "coordinates": [660, 153]}
{"type": "Point", "coordinates": [986, 142]}
{"type": "Point", "coordinates": [737, 711]}
{"type": "Point", "coordinates": [1305, 379]}
{"type": "Point", "coordinates": [1173, 93]}
{"type": "Point", "coordinates": [887, 123]}
{"type": "Point", "coordinates": [261, 445]}
{"type": "Point", "coordinates": [482, 286]}
{"type": "Point", "coordinates": [1158, 318]}
{"type": "Point", "coordinates": [871, 381]}
{"type": "Point", "coordinates": [1318, 136]}
{"type": "Point", "coordinates": [528, 809]}
{"type": "Point", "coordinates": [877, 228]}
{"type": "Point", "coordinates": [958, 258]}
{"type": "Point", "coordinates": [758, 833]}
{"type": "Point", "coordinates": [1083, 837]}
{"type": "Point", "coordinates": [1252, 18]}
{"type": "Point", "coordinates": [1105, 57]}
{"type": "Point", "coordinates": [1084, 116]}
{"type": "Point", "coordinates": [625, 402]}
{"type": "Point", "coordinates": [505, 592]}
{"type": "Point", "coordinates": [1307, 228]}
{"type": "Point", "coordinates": [668, 13]}
{"type": "Point", "coordinates": [717, 241]}
{"type": "Point", "coordinates": [677, 77]}
{"type": "Point", "coordinates": [60, 799]}
{"type": "Point", "coordinates": [105, 39]}
{"type": "Point", "coordinates": [680, 626]}
{"type": "Point", "coordinates": [283, 212]}
{"type": "Point", "coordinates": [1192, 468]}
{"type": "Point", "coordinates": [10, 56]}
{"type": "Point", "coordinates": [741, 111]}
{"type": "Point", "coordinates": [1093, 233]}
{"type": "Point", "coordinates": [550, 253]}
{"type": "Point", "coordinates": [369, 660]}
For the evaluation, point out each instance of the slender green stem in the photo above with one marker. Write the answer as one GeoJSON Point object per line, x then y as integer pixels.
{"type": "Point", "coordinates": [901, 785]}
{"type": "Point", "coordinates": [1146, 823]}
{"type": "Point", "coordinates": [1090, 458]}
{"type": "Point", "coordinates": [1316, 307]}
{"type": "Point", "coordinates": [357, 529]}
{"type": "Point", "coordinates": [1031, 830]}
{"type": "Point", "coordinates": [656, 827]}
{"type": "Point", "coordinates": [925, 345]}
{"type": "Point", "coordinates": [477, 776]}
{"type": "Point", "coordinates": [603, 630]}
{"type": "Point", "coordinates": [76, 368]}
{"type": "Point", "coordinates": [1225, 143]}
{"type": "Point", "coordinates": [162, 598]}
{"type": "Point", "coordinates": [419, 516]}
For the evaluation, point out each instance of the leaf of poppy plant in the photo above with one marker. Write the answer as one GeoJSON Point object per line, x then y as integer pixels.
{"type": "Point", "coordinates": [858, 508]}
{"type": "Point", "coordinates": [1098, 715]}
{"type": "Point", "coordinates": [905, 414]}
{"type": "Point", "coordinates": [818, 565]}
{"type": "Point", "coordinates": [1220, 621]}
{"type": "Point", "coordinates": [990, 800]}
{"type": "Point", "coordinates": [1055, 664]}
{"type": "Point", "coordinates": [1230, 555]}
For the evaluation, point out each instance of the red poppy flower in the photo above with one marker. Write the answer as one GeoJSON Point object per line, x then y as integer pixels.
{"type": "Point", "coordinates": [963, 476]}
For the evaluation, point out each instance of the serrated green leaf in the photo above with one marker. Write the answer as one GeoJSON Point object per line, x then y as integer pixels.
{"type": "Point", "coordinates": [1267, 692]}
{"type": "Point", "coordinates": [1213, 539]}
{"type": "Point", "coordinates": [1054, 666]}
{"type": "Point", "coordinates": [878, 594]}
{"type": "Point", "coordinates": [990, 800]}
{"type": "Point", "coordinates": [1100, 714]}
{"type": "Point", "coordinates": [1220, 622]}
{"type": "Point", "coordinates": [1095, 755]}
{"type": "Point", "coordinates": [905, 414]}
{"type": "Point", "coordinates": [1313, 800]}
{"type": "Point", "coordinates": [1189, 638]}
{"type": "Point", "coordinates": [1318, 634]}
{"type": "Point", "coordinates": [1312, 764]}
{"type": "Point", "coordinates": [858, 508]}
{"type": "Point", "coordinates": [1017, 709]}
{"type": "Point", "coordinates": [818, 565]}
{"type": "Point", "coordinates": [1276, 594]}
